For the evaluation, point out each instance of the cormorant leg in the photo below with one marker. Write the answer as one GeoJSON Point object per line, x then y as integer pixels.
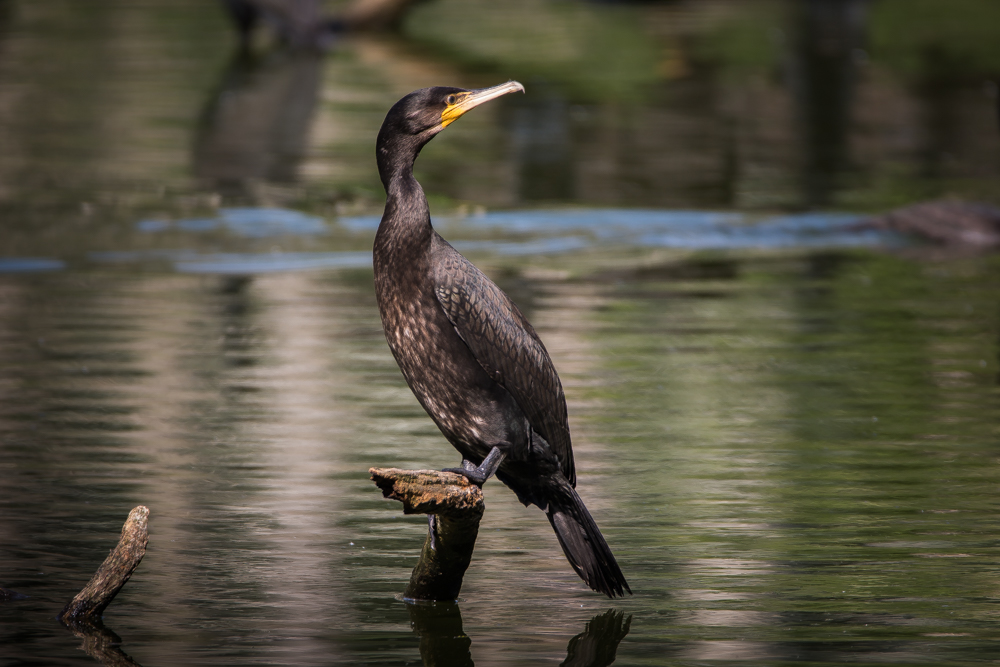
{"type": "Point", "coordinates": [432, 530]}
{"type": "Point", "coordinates": [486, 469]}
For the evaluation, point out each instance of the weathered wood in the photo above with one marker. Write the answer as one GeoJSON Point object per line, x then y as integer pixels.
{"type": "Point", "coordinates": [455, 506]}
{"type": "Point", "coordinates": [116, 569]}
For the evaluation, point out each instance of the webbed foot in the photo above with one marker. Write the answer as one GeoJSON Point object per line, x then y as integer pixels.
{"type": "Point", "coordinates": [486, 469]}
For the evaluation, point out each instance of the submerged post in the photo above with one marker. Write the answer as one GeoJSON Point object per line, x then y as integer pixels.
{"type": "Point", "coordinates": [455, 506]}
{"type": "Point", "coordinates": [113, 573]}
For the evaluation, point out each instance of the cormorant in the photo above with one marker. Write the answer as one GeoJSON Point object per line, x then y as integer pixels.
{"type": "Point", "coordinates": [468, 354]}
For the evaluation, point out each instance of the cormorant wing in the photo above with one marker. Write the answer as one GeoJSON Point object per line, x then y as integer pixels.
{"type": "Point", "coordinates": [506, 346]}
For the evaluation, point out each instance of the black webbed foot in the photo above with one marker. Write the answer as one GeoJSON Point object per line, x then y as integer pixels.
{"type": "Point", "coordinates": [486, 469]}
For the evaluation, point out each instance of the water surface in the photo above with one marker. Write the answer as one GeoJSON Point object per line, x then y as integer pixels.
{"type": "Point", "coordinates": [785, 426]}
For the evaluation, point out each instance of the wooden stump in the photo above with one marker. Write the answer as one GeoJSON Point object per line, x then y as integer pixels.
{"type": "Point", "coordinates": [455, 506]}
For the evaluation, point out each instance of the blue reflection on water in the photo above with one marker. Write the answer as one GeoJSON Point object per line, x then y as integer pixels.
{"type": "Point", "coordinates": [607, 223]}
{"type": "Point", "coordinates": [248, 222]}
{"type": "Point", "coordinates": [536, 247]}
{"type": "Point", "coordinates": [669, 229]}
{"type": "Point", "coordinates": [551, 232]}
{"type": "Point", "coordinates": [244, 263]}
{"type": "Point", "coordinates": [188, 261]}
{"type": "Point", "coordinates": [30, 264]}
{"type": "Point", "coordinates": [142, 256]}
{"type": "Point", "coordinates": [812, 229]}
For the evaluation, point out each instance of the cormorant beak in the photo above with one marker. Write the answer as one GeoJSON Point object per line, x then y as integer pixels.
{"type": "Point", "coordinates": [473, 98]}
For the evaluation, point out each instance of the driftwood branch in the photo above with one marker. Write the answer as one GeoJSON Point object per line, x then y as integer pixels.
{"type": "Point", "coordinates": [455, 507]}
{"type": "Point", "coordinates": [116, 569]}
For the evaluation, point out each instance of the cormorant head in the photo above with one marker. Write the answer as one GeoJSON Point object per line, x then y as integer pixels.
{"type": "Point", "coordinates": [415, 119]}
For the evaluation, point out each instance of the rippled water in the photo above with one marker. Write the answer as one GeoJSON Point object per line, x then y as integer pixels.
{"type": "Point", "coordinates": [786, 426]}
{"type": "Point", "coordinates": [793, 456]}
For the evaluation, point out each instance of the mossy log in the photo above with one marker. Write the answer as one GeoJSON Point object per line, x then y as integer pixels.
{"type": "Point", "coordinates": [455, 506]}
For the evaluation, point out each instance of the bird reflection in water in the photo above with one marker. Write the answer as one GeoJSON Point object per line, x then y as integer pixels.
{"type": "Point", "coordinates": [443, 642]}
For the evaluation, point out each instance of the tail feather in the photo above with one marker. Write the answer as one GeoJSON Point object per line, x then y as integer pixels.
{"type": "Point", "coordinates": [581, 540]}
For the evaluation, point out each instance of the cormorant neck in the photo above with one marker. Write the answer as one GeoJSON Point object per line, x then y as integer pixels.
{"type": "Point", "coordinates": [406, 219]}
{"type": "Point", "coordinates": [395, 154]}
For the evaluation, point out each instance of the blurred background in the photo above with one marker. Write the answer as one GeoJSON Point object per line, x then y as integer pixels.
{"type": "Point", "coordinates": [785, 410]}
{"type": "Point", "coordinates": [116, 111]}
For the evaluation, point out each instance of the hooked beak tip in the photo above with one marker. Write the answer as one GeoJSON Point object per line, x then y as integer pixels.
{"type": "Point", "coordinates": [476, 97]}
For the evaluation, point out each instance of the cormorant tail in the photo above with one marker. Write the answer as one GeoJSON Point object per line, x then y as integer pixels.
{"type": "Point", "coordinates": [581, 539]}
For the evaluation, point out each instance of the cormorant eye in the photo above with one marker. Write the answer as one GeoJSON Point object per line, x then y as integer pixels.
{"type": "Point", "coordinates": [451, 100]}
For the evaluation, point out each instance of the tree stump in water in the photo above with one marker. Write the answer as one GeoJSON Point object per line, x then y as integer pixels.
{"type": "Point", "coordinates": [113, 573]}
{"type": "Point", "coordinates": [455, 506]}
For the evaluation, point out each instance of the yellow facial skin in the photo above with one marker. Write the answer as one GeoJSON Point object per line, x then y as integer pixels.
{"type": "Point", "coordinates": [459, 103]}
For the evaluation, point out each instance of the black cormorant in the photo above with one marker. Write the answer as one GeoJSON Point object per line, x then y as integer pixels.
{"type": "Point", "coordinates": [471, 358]}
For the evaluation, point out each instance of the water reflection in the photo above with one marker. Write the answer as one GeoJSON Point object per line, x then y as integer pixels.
{"type": "Point", "coordinates": [565, 231]}
{"type": "Point", "coordinates": [829, 50]}
{"type": "Point", "coordinates": [30, 264]}
{"type": "Point", "coordinates": [101, 644]}
{"type": "Point", "coordinates": [296, 24]}
{"type": "Point", "coordinates": [256, 125]}
{"type": "Point", "coordinates": [755, 106]}
{"type": "Point", "coordinates": [740, 390]}
{"type": "Point", "coordinates": [794, 444]}
{"type": "Point", "coordinates": [540, 130]}
{"type": "Point", "coordinates": [443, 642]}
{"type": "Point", "coordinates": [597, 645]}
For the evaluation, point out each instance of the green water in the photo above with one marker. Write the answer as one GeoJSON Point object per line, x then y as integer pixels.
{"type": "Point", "coordinates": [794, 458]}
{"type": "Point", "coordinates": [791, 447]}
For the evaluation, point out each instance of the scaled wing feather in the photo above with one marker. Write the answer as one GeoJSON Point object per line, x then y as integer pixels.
{"type": "Point", "coordinates": [506, 346]}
